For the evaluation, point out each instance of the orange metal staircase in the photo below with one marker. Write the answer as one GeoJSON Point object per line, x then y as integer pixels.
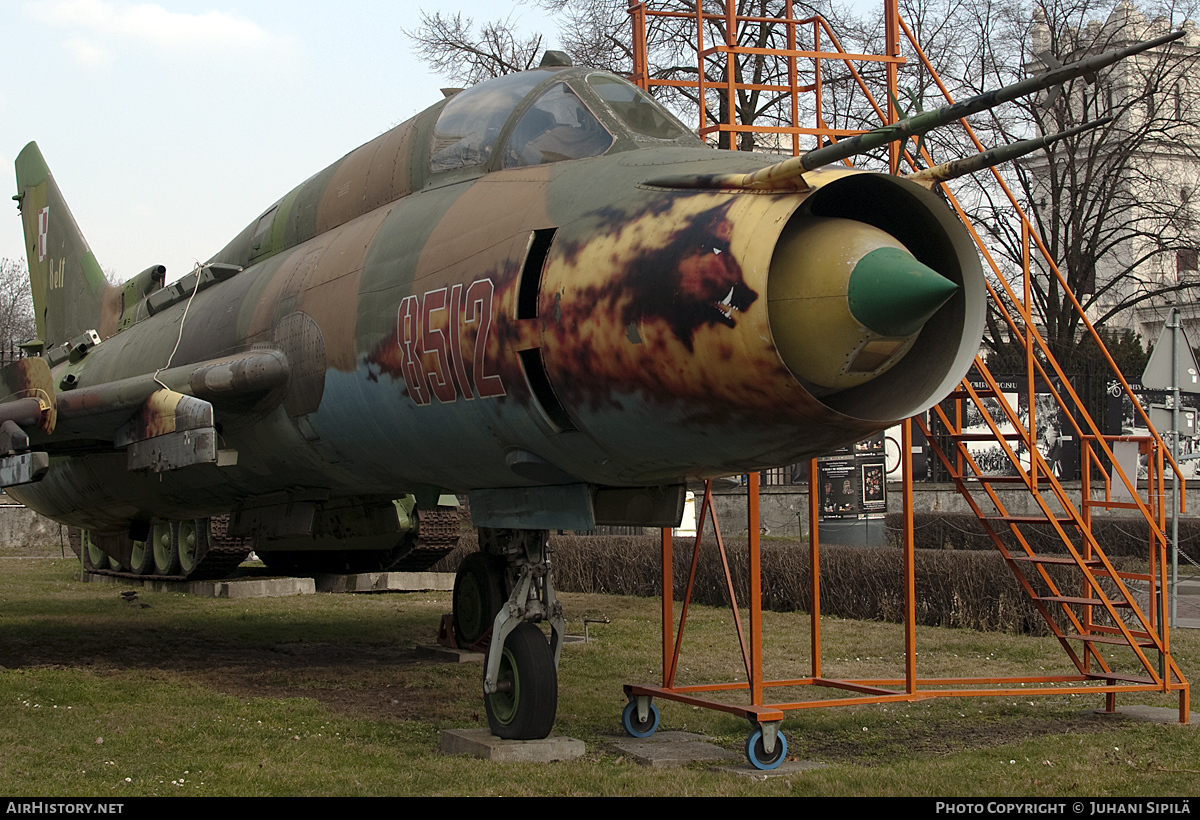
{"type": "Point", "coordinates": [1100, 610]}
{"type": "Point", "coordinates": [1115, 644]}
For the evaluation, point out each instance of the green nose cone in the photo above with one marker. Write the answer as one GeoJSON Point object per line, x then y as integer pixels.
{"type": "Point", "coordinates": [893, 294]}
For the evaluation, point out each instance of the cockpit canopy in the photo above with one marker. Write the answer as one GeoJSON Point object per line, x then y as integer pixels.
{"type": "Point", "coordinates": [543, 116]}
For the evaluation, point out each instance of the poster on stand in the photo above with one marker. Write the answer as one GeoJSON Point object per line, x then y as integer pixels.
{"type": "Point", "coordinates": [852, 481]}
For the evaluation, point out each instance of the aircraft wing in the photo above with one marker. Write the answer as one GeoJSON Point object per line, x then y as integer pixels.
{"type": "Point", "coordinates": [163, 420]}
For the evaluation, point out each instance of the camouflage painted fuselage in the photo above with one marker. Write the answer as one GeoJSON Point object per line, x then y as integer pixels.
{"type": "Point", "coordinates": [481, 327]}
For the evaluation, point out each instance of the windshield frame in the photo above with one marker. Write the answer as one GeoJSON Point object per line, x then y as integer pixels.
{"type": "Point", "coordinates": [528, 105]}
{"type": "Point", "coordinates": [576, 78]}
{"type": "Point", "coordinates": [482, 132]}
{"type": "Point", "coordinates": [633, 133]}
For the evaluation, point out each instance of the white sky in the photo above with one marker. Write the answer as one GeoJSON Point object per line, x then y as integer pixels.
{"type": "Point", "coordinates": [171, 125]}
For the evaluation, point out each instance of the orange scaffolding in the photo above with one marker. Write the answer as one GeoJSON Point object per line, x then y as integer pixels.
{"type": "Point", "coordinates": [1095, 619]}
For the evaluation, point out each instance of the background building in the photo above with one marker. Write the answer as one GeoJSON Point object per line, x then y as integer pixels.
{"type": "Point", "coordinates": [1120, 207]}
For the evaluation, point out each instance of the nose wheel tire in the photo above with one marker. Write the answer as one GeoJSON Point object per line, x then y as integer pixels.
{"type": "Point", "coordinates": [525, 706]}
{"type": "Point", "coordinates": [756, 752]}
{"type": "Point", "coordinates": [478, 596]}
{"type": "Point", "coordinates": [638, 728]}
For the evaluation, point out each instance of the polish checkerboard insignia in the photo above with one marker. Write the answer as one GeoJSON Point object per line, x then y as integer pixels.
{"type": "Point", "coordinates": [43, 229]}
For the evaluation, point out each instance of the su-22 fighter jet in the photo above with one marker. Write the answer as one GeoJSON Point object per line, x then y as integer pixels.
{"type": "Point", "coordinates": [543, 292]}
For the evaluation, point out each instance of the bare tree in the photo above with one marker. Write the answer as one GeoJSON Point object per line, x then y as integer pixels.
{"type": "Point", "coordinates": [1116, 206]}
{"type": "Point", "coordinates": [595, 32]}
{"type": "Point", "coordinates": [16, 305]}
{"type": "Point", "coordinates": [452, 47]}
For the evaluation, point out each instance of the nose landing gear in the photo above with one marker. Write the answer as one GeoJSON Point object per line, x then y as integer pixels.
{"type": "Point", "coordinates": [520, 680]}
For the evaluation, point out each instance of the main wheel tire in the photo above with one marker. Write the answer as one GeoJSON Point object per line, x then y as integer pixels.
{"type": "Point", "coordinates": [141, 559]}
{"type": "Point", "coordinates": [635, 727]}
{"type": "Point", "coordinates": [756, 752]}
{"type": "Point", "coordinates": [478, 596]}
{"type": "Point", "coordinates": [94, 557]}
{"type": "Point", "coordinates": [166, 559]}
{"type": "Point", "coordinates": [191, 543]}
{"type": "Point", "coordinates": [526, 710]}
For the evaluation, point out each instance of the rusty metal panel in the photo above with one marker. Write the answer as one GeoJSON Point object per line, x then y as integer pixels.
{"type": "Point", "coordinates": [299, 336]}
{"type": "Point", "coordinates": [173, 451]}
{"type": "Point", "coordinates": [30, 378]}
{"type": "Point", "coordinates": [23, 469]}
{"type": "Point", "coordinates": [563, 507]}
{"type": "Point", "coordinates": [163, 412]}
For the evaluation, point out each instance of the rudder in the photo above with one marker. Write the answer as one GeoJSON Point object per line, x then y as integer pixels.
{"type": "Point", "coordinates": [69, 288]}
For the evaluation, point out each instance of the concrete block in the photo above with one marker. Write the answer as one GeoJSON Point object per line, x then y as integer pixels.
{"type": "Point", "coordinates": [671, 749]}
{"type": "Point", "coordinates": [1166, 715]}
{"type": "Point", "coordinates": [253, 588]}
{"type": "Point", "coordinates": [444, 654]}
{"type": "Point", "coordinates": [387, 582]}
{"type": "Point", "coordinates": [236, 588]}
{"type": "Point", "coordinates": [787, 767]}
{"type": "Point", "coordinates": [481, 743]}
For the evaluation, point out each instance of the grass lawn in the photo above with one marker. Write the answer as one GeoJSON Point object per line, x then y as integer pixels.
{"type": "Point", "coordinates": [324, 695]}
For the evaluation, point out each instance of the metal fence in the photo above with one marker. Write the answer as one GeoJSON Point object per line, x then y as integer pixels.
{"type": "Point", "coordinates": [10, 353]}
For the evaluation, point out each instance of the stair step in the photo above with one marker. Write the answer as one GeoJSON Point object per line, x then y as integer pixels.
{"type": "Point", "coordinates": [1141, 638]}
{"type": "Point", "coordinates": [1067, 599]}
{"type": "Point", "coordinates": [1055, 559]}
{"type": "Point", "coordinates": [1113, 676]}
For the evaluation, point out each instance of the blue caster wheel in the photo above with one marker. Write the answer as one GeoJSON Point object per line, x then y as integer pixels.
{"type": "Point", "coordinates": [756, 753]}
{"type": "Point", "coordinates": [635, 727]}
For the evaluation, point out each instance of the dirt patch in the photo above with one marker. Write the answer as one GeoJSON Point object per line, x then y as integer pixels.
{"type": "Point", "coordinates": [401, 700]}
{"type": "Point", "coordinates": [372, 682]}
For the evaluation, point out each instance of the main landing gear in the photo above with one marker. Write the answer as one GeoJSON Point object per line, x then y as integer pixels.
{"type": "Point", "coordinates": [500, 593]}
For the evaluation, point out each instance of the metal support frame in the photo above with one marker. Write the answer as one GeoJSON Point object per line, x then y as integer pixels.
{"type": "Point", "coordinates": [1103, 615]}
{"type": "Point", "coordinates": [912, 686]}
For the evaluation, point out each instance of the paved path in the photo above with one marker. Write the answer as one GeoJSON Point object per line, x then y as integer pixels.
{"type": "Point", "coordinates": [1187, 609]}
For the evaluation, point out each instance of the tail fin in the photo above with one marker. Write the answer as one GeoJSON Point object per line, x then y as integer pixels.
{"type": "Point", "coordinates": [69, 288]}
